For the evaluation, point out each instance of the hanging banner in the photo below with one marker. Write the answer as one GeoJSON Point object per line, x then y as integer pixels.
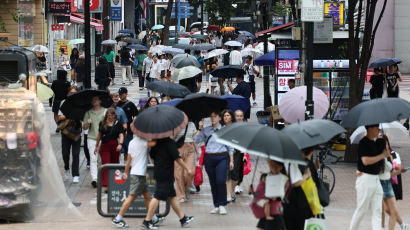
{"type": "Point", "coordinates": [63, 44]}
{"type": "Point", "coordinates": [312, 10]}
{"type": "Point", "coordinates": [336, 11]}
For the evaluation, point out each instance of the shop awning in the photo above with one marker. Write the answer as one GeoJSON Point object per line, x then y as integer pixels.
{"type": "Point", "coordinates": [274, 29]}
{"type": "Point", "coordinates": [269, 58]}
{"type": "Point", "coordinates": [78, 20]}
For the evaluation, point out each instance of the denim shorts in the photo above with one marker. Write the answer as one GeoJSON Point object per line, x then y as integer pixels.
{"type": "Point", "coordinates": [387, 189]}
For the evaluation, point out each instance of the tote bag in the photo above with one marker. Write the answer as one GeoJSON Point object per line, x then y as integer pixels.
{"type": "Point", "coordinates": [312, 196]}
{"type": "Point", "coordinates": [315, 224]}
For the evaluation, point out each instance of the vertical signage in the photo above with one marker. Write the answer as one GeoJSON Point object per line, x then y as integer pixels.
{"type": "Point", "coordinates": [116, 10]}
{"type": "Point", "coordinates": [312, 10]}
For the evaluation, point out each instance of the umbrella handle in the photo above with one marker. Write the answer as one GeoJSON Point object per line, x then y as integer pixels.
{"type": "Point", "coordinates": [254, 171]}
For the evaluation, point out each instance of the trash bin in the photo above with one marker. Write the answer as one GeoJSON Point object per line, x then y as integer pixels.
{"type": "Point", "coordinates": [263, 117]}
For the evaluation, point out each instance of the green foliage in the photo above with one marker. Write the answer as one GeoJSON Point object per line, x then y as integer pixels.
{"type": "Point", "coordinates": [220, 11]}
{"type": "Point", "coordinates": [14, 14]}
{"type": "Point", "coordinates": [281, 9]}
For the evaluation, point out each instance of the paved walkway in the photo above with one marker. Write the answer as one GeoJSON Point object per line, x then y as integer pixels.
{"type": "Point", "coordinates": [239, 215]}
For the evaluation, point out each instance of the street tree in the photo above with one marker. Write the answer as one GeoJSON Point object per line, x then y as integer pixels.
{"type": "Point", "coordinates": [165, 31]}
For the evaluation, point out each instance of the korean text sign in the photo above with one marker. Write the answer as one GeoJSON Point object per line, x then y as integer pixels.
{"type": "Point", "coordinates": [335, 10]}
{"type": "Point", "coordinates": [288, 67]}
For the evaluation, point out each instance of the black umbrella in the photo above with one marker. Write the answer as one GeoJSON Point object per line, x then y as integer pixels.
{"type": "Point", "coordinates": [198, 36]}
{"type": "Point", "coordinates": [228, 71]}
{"type": "Point", "coordinates": [137, 47]}
{"type": "Point", "coordinates": [158, 122]}
{"type": "Point", "coordinates": [261, 141]}
{"type": "Point", "coordinates": [126, 31]}
{"type": "Point", "coordinates": [182, 60]}
{"type": "Point", "coordinates": [313, 132]}
{"type": "Point", "coordinates": [203, 46]}
{"type": "Point", "coordinates": [376, 111]}
{"type": "Point", "coordinates": [77, 104]}
{"type": "Point", "coordinates": [132, 41]}
{"type": "Point", "coordinates": [200, 105]}
{"type": "Point", "coordinates": [169, 88]}
{"type": "Point", "coordinates": [183, 46]}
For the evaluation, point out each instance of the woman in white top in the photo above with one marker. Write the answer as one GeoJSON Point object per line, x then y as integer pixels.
{"type": "Point", "coordinates": [155, 73]}
{"type": "Point", "coordinates": [183, 181]}
{"type": "Point", "coordinates": [163, 62]}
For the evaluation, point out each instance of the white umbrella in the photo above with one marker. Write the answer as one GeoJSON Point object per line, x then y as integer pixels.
{"type": "Point", "coordinates": [251, 52]}
{"type": "Point", "coordinates": [394, 130]}
{"type": "Point", "coordinates": [142, 34]}
{"type": "Point", "coordinates": [109, 42]}
{"type": "Point", "coordinates": [215, 53]}
{"type": "Point", "coordinates": [185, 73]}
{"type": "Point", "coordinates": [76, 41]}
{"type": "Point", "coordinates": [40, 48]}
{"type": "Point", "coordinates": [233, 43]}
{"type": "Point", "coordinates": [260, 47]}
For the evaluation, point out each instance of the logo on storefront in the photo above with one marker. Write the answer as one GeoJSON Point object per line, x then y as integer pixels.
{"type": "Point", "coordinates": [116, 2]}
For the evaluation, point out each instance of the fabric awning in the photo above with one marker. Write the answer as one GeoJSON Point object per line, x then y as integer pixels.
{"type": "Point", "coordinates": [78, 20]}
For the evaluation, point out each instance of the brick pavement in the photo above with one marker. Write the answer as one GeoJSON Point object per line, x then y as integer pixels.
{"type": "Point", "coordinates": [239, 215]}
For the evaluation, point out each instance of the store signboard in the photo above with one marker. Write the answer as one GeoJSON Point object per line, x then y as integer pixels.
{"type": "Point", "coordinates": [115, 14]}
{"type": "Point", "coordinates": [116, 3]}
{"type": "Point", "coordinates": [323, 31]}
{"type": "Point", "coordinates": [287, 67]}
{"type": "Point", "coordinates": [330, 64]}
{"type": "Point", "coordinates": [336, 11]}
{"type": "Point", "coordinates": [59, 7]}
{"type": "Point", "coordinates": [283, 83]}
{"type": "Point", "coordinates": [56, 27]}
{"type": "Point", "coordinates": [312, 10]}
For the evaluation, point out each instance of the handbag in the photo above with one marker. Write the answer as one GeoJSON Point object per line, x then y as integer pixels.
{"type": "Point", "coordinates": [199, 177]}
{"type": "Point", "coordinates": [315, 223]}
{"type": "Point", "coordinates": [312, 196]}
{"type": "Point", "coordinates": [68, 128]}
{"type": "Point", "coordinates": [247, 167]}
{"type": "Point", "coordinates": [324, 194]}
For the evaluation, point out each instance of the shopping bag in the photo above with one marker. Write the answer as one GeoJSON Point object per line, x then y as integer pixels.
{"type": "Point", "coordinates": [199, 177]}
{"type": "Point", "coordinates": [201, 157]}
{"type": "Point", "coordinates": [315, 224]}
{"type": "Point", "coordinates": [247, 167]}
{"type": "Point", "coordinates": [275, 185]}
{"type": "Point", "coordinates": [312, 196]}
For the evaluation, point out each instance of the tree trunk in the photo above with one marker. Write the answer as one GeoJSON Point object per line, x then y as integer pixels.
{"type": "Point", "coordinates": [167, 23]}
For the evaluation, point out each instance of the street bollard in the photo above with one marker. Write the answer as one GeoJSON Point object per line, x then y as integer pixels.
{"type": "Point", "coordinates": [118, 190]}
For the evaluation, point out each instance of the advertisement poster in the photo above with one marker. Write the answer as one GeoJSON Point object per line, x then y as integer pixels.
{"type": "Point", "coordinates": [283, 83]}
{"type": "Point", "coordinates": [63, 44]}
{"type": "Point", "coordinates": [288, 67]}
{"type": "Point", "coordinates": [312, 10]}
{"type": "Point", "coordinates": [336, 11]}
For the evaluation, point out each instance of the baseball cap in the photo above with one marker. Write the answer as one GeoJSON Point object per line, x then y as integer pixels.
{"type": "Point", "coordinates": [122, 90]}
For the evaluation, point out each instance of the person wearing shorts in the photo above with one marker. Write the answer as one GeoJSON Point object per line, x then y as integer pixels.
{"type": "Point", "coordinates": [249, 77]}
{"type": "Point", "coordinates": [137, 161]}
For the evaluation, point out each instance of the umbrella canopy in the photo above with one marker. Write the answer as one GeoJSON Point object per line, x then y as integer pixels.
{"type": "Point", "coordinates": [182, 60]}
{"type": "Point", "coordinates": [266, 59]}
{"type": "Point", "coordinates": [292, 105]}
{"type": "Point", "coordinates": [173, 51]}
{"type": "Point", "coordinates": [76, 41]}
{"type": "Point", "coordinates": [203, 46]}
{"type": "Point", "coordinates": [241, 38]}
{"type": "Point", "coordinates": [201, 105]}
{"type": "Point", "coordinates": [261, 141]}
{"type": "Point", "coordinates": [260, 47]}
{"type": "Point", "coordinates": [215, 53]}
{"type": "Point", "coordinates": [159, 122]}
{"type": "Point", "coordinates": [119, 36]}
{"type": "Point", "coordinates": [313, 132]}
{"type": "Point", "coordinates": [251, 52]}
{"type": "Point", "coordinates": [157, 27]}
{"type": "Point", "coordinates": [185, 73]}
{"type": "Point", "coordinates": [109, 42]}
{"type": "Point", "coordinates": [237, 102]}
{"type": "Point", "coordinates": [183, 46]}
{"type": "Point", "coordinates": [382, 62]}
{"type": "Point", "coordinates": [168, 88]}
{"type": "Point", "coordinates": [213, 28]}
{"type": "Point", "coordinates": [173, 102]}
{"type": "Point", "coordinates": [376, 111]}
{"type": "Point", "coordinates": [44, 92]}
{"type": "Point", "coordinates": [137, 47]}
{"type": "Point", "coordinates": [198, 36]}
{"type": "Point", "coordinates": [132, 40]}
{"type": "Point", "coordinates": [247, 33]}
{"type": "Point", "coordinates": [228, 29]}
{"type": "Point", "coordinates": [126, 31]}
{"type": "Point", "coordinates": [394, 130]}
{"type": "Point", "coordinates": [40, 48]}
{"type": "Point", "coordinates": [142, 34]}
{"type": "Point", "coordinates": [227, 71]}
{"type": "Point", "coordinates": [77, 104]}
{"type": "Point", "coordinates": [233, 43]}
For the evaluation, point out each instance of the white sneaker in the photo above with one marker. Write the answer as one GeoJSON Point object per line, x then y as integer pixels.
{"type": "Point", "coordinates": [404, 226]}
{"type": "Point", "coordinates": [237, 189]}
{"type": "Point", "coordinates": [222, 210]}
{"type": "Point", "coordinates": [182, 200]}
{"type": "Point", "coordinates": [76, 179]}
{"type": "Point", "coordinates": [67, 175]}
{"type": "Point", "coordinates": [215, 211]}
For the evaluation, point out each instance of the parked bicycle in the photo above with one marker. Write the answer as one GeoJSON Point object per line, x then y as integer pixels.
{"type": "Point", "coordinates": [325, 173]}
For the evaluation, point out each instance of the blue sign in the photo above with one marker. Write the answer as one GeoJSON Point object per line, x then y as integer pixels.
{"type": "Point", "coordinates": [116, 14]}
{"type": "Point", "coordinates": [183, 15]}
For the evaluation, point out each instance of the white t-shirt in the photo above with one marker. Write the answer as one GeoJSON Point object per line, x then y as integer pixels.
{"type": "Point", "coordinates": [248, 72]}
{"type": "Point", "coordinates": [155, 70]}
{"type": "Point", "coordinates": [137, 149]}
{"type": "Point", "coordinates": [293, 172]}
{"type": "Point", "coordinates": [385, 175]}
{"type": "Point", "coordinates": [162, 63]}
{"type": "Point", "coordinates": [235, 58]}
{"type": "Point", "coordinates": [218, 41]}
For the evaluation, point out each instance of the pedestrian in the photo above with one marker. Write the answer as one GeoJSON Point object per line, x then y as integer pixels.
{"type": "Point", "coordinates": [393, 78]}
{"type": "Point", "coordinates": [218, 40]}
{"type": "Point", "coordinates": [183, 180]}
{"type": "Point", "coordinates": [170, 66]}
{"type": "Point", "coordinates": [213, 42]}
{"type": "Point", "coordinates": [368, 187]}
{"type": "Point", "coordinates": [80, 72]}
{"type": "Point", "coordinates": [235, 57]}
{"type": "Point", "coordinates": [146, 67]}
{"type": "Point", "coordinates": [221, 89]}
{"type": "Point", "coordinates": [131, 112]}
{"type": "Point", "coordinates": [91, 122]}
{"type": "Point", "coordinates": [250, 73]}
{"type": "Point", "coordinates": [110, 57]}
{"type": "Point", "coordinates": [164, 153]}
{"type": "Point", "coordinates": [121, 116]}
{"type": "Point", "coordinates": [155, 74]}
{"type": "Point", "coordinates": [63, 61]}
{"type": "Point", "coordinates": [141, 58]}
{"type": "Point", "coordinates": [243, 89]}
{"type": "Point", "coordinates": [60, 89]}
{"type": "Point", "coordinates": [239, 159]}
{"type": "Point", "coordinates": [126, 63]}
{"type": "Point", "coordinates": [377, 81]}
{"type": "Point", "coordinates": [226, 56]}
{"type": "Point", "coordinates": [70, 140]}
{"type": "Point", "coordinates": [165, 98]}
{"type": "Point", "coordinates": [42, 60]}
{"type": "Point", "coordinates": [197, 55]}
{"type": "Point", "coordinates": [386, 179]}
{"type": "Point", "coordinates": [102, 75]}
{"type": "Point", "coordinates": [152, 101]}
{"type": "Point", "coordinates": [73, 61]}
{"type": "Point", "coordinates": [218, 158]}
{"type": "Point", "coordinates": [163, 65]}
{"type": "Point", "coordinates": [291, 83]}
{"type": "Point", "coordinates": [211, 65]}
{"type": "Point", "coordinates": [137, 161]}
{"type": "Point", "coordinates": [109, 131]}
{"type": "Point", "coordinates": [227, 119]}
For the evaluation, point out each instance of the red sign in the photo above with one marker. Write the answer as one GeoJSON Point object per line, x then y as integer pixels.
{"type": "Point", "coordinates": [94, 4]}
{"type": "Point", "coordinates": [288, 66]}
{"type": "Point", "coordinates": [283, 83]}
{"type": "Point", "coordinates": [119, 177]}
{"type": "Point", "coordinates": [55, 27]}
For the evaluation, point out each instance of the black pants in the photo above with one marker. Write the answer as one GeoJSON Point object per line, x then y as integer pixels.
{"type": "Point", "coordinates": [294, 223]}
{"type": "Point", "coordinates": [111, 69]}
{"type": "Point", "coordinates": [67, 144]}
{"type": "Point", "coordinates": [86, 151]}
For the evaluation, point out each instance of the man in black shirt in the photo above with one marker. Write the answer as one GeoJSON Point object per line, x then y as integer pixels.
{"type": "Point", "coordinates": [164, 153]}
{"type": "Point", "coordinates": [131, 111]}
{"type": "Point", "coordinates": [368, 188]}
{"type": "Point", "coordinates": [377, 82]}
